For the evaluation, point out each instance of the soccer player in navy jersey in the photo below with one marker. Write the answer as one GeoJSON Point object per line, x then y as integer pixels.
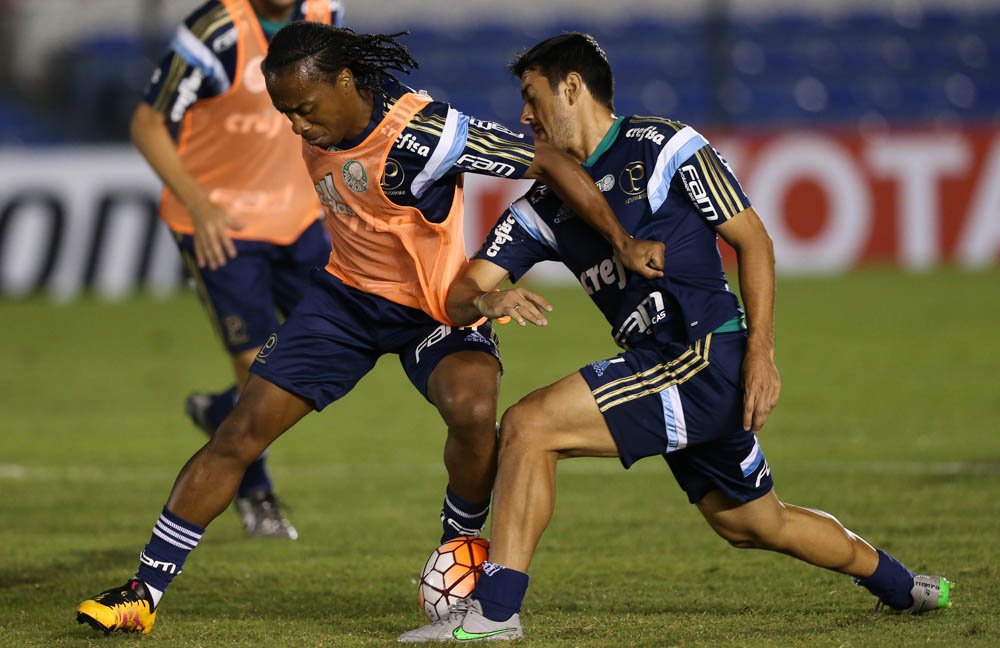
{"type": "Point", "coordinates": [387, 165]}
{"type": "Point", "coordinates": [696, 380]}
{"type": "Point", "coordinates": [207, 127]}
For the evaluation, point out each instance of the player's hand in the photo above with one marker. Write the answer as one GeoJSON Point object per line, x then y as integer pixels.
{"type": "Point", "coordinates": [643, 257]}
{"type": "Point", "coordinates": [761, 387]}
{"type": "Point", "coordinates": [520, 305]}
{"type": "Point", "coordinates": [212, 245]}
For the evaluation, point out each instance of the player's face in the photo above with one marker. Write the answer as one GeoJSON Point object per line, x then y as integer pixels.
{"type": "Point", "coordinates": [545, 110]}
{"type": "Point", "coordinates": [323, 111]}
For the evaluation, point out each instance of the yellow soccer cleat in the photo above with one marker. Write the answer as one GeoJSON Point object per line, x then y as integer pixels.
{"type": "Point", "coordinates": [128, 608]}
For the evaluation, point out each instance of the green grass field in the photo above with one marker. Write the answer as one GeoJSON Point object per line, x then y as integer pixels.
{"type": "Point", "coordinates": [888, 419]}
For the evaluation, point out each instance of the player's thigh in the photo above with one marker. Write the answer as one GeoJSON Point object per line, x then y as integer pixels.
{"type": "Point", "coordinates": [448, 364]}
{"type": "Point", "coordinates": [243, 359]}
{"type": "Point", "coordinates": [323, 349]}
{"type": "Point", "coordinates": [636, 395]}
{"type": "Point", "coordinates": [237, 296]}
{"type": "Point", "coordinates": [562, 417]}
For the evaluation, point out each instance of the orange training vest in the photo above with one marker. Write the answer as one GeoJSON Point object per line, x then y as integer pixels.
{"type": "Point", "coordinates": [242, 151]}
{"type": "Point", "coordinates": [380, 247]}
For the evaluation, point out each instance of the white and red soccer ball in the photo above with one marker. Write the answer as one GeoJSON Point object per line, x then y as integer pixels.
{"type": "Point", "coordinates": [450, 574]}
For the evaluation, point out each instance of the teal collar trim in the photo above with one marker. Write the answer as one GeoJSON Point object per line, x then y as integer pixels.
{"type": "Point", "coordinates": [271, 27]}
{"type": "Point", "coordinates": [609, 139]}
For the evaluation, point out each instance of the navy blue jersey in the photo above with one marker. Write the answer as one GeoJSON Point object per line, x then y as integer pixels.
{"type": "Point", "coordinates": [664, 183]}
{"type": "Point", "coordinates": [201, 60]}
{"type": "Point", "coordinates": [438, 145]}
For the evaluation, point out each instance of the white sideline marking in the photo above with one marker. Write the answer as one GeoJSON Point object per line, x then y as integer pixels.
{"type": "Point", "coordinates": [900, 467]}
{"type": "Point", "coordinates": [12, 471]}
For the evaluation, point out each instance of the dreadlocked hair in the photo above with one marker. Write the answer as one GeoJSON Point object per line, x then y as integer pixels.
{"type": "Point", "coordinates": [369, 57]}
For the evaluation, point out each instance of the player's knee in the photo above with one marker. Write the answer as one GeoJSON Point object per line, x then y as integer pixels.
{"type": "Point", "coordinates": [742, 542]}
{"type": "Point", "coordinates": [746, 535]}
{"type": "Point", "coordinates": [736, 537]}
{"type": "Point", "coordinates": [519, 429]}
{"type": "Point", "coordinates": [468, 411]}
{"type": "Point", "coordinates": [235, 439]}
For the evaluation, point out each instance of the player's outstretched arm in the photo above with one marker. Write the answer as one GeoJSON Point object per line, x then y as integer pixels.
{"type": "Point", "coordinates": [755, 255]}
{"type": "Point", "coordinates": [572, 184]}
{"type": "Point", "coordinates": [212, 244]}
{"type": "Point", "coordinates": [474, 295]}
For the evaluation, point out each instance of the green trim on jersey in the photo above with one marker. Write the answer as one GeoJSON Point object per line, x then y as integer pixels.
{"type": "Point", "coordinates": [609, 139]}
{"type": "Point", "coordinates": [733, 325]}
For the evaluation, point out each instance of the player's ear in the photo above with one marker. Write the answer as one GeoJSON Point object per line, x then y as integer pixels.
{"type": "Point", "coordinates": [345, 79]}
{"type": "Point", "coordinates": [573, 87]}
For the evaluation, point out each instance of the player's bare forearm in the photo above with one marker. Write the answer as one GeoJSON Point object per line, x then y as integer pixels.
{"type": "Point", "coordinates": [461, 303]}
{"type": "Point", "coordinates": [755, 255]}
{"type": "Point", "coordinates": [574, 187]}
{"type": "Point", "coordinates": [474, 295]}
{"type": "Point", "coordinates": [212, 244]}
{"type": "Point", "coordinates": [149, 133]}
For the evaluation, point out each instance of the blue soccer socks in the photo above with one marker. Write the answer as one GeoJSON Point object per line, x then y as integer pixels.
{"type": "Point", "coordinates": [256, 479]}
{"type": "Point", "coordinates": [891, 582]}
{"type": "Point", "coordinates": [220, 406]}
{"type": "Point", "coordinates": [460, 517]}
{"type": "Point", "coordinates": [500, 590]}
{"type": "Point", "coordinates": [162, 559]}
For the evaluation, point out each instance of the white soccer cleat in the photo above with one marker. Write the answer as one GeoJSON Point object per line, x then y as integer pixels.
{"type": "Point", "coordinates": [466, 622]}
{"type": "Point", "coordinates": [929, 593]}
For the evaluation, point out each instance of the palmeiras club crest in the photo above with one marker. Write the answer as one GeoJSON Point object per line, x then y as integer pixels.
{"type": "Point", "coordinates": [355, 176]}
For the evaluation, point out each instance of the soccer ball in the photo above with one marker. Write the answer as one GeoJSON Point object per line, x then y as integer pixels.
{"type": "Point", "coordinates": [450, 574]}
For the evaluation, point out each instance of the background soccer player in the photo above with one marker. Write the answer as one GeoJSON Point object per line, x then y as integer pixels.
{"type": "Point", "coordinates": [694, 384]}
{"type": "Point", "coordinates": [387, 165]}
{"type": "Point", "coordinates": [236, 196]}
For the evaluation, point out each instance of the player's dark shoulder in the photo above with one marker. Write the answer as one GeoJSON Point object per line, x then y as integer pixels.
{"type": "Point", "coordinates": [543, 200]}
{"type": "Point", "coordinates": [431, 118]}
{"type": "Point", "coordinates": [391, 90]}
{"type": "Point", "coordinates": [212, 24]}
{"type": "Point", "coordinates": [648, 132]}
{"type": "Point", "coordinates": [421, 135]}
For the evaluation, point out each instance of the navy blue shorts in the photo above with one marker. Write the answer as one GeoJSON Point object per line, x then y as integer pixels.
{"type": "Point", "coordinates": [684, 403]}
{"type": "Point", "coordinates": [337, 334]}
{"type": "Point", "coordinates": [244, 296]}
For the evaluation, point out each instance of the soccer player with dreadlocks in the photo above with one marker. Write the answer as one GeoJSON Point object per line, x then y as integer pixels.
{"type": "Point", "coordinates": [387, 164]}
